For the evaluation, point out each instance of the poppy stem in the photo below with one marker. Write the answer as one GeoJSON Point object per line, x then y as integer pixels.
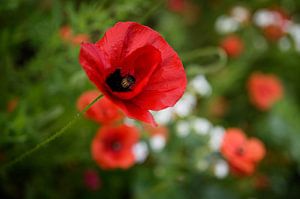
{"type": "Point", "coordinates": [51, 137]}
{"type": "Point", "coordinates": [207, 60]}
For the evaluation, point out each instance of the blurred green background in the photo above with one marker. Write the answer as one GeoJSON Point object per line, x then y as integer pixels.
{"type": "Point", "coordinates": [41, 79]}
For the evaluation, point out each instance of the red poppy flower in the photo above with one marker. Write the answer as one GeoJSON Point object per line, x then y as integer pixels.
{"type": "Point", "coordinates": [91, 180]}
{"type": "Point", "coordinates": [113, 146]}
{"type": "Point", "coordinates": [264, 90]}
{"type": "Point", "coordinates": [12, 104]}
{"type": "Point", "coordinates": [277, 29]}
{"type": "Point", "coordinates": [135, 68]}
{"type": "Point", "coordinates": [233, 45]}
{"type": "Point", "coordinates": [103, 111]}
{"type": "Point", "coordinates": [79, 38]}
{"type": "Point", "coordinates": [65, 33]}
{"type": "Point", "coordinates": [242, 154]}
{"type": "Point", "coordinates": [273, 32]}
{"type": "Point", "coordinates": [177, 5]}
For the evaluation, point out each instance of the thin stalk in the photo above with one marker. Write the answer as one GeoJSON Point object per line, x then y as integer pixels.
{"type": "Point", "coordinates": [209, 59]}
{"type": "Point", "coordinates": [51, 137]}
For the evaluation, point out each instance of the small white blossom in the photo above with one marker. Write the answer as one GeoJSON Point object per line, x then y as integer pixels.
{"type": "Point", "coordinates": [240, 14]}
{"type": "Point", "coordinates": [263, 18]}
{"type": "Point", "coordinates": [201, 126]}
{"type": "Point", "coordinates": [183, 128]}
{"type": "Point", "coordinates": [294, 31]}
{"type": "Point", "coordinates": [221, 169]}
{"type": "Point", "coordinates": [157, 142]}
{"type": "Point", "coordinates": [164, 117]}
{"type": "Point", "coordinates": [129, 121]}
{"type": "Point", "coordinates": [201, 86]}
{"type": "Point", "coordinates": [140, 151]}
{"type": "Point", "coordinates": [216, 137]}
{"type": "Point", "coordinates": [226, 24]}
{"type": "Point", "coordinates": [185, 105]}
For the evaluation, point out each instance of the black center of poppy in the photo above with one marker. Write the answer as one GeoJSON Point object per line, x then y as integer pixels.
{"type": "Point", "coordinates": [117, 83]}
{"type": "Point", "coordinates": [240, 151]}
{"type": "Point", "coordinates": [116, 146]}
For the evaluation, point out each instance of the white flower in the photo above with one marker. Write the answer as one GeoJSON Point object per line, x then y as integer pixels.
{"type": "Point", "coordinates": [226, 24]}
{"type": "Point", "coordinates": [221, 169]}
{"type": "Point", "coordinates": [201, 126]}
{"type": "Point", "coordinates": [183, 128]}
{"type": "Point", "coordinates": [185, 105]}
{"type": "Point", "coordinates": [294, 31]}
{"type": "Point", "coordinates": [240, 14]}
{"type": "Point", "coordinates": [201, 85]}
{"type": "Point", "coordinates": [157, 142]}
{"type": "Point", "coordinates": [264, 18]}
{"type": "Point", "coordinates": [164, 117]}
{"type": "Point", "coordinates": [140, 151]}
{"type": "Point", "coordinates": [216, 137]}
{"type": "Point", "coordinates": [129, 121]}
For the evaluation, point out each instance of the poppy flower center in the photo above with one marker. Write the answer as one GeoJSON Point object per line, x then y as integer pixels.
{"type": "Point", "coordinates": [119, 83]}
{"type": "Point", "coordinates": [240, 151]}
{"type": "Point", "coordinates": [116, 146]}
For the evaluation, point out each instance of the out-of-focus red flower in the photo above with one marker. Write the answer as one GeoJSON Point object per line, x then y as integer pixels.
{"type": "Point", "coordinates": [242, 154]}
{"type": "Point", "coordinates": [65, 33]}
{"type": "Point", "coordinates": [218, 106]}
{"type": "Point", "coordinates": [136, 69]}
{"type": "Point", "coordinates": [277, 23]}
{"type": "Point", "coordinates": [112, 147]}
{"type": "Point", "coordinates": [264, 90]}
{"type": "Point", "coordinates": [233, 45]}
{"type": "Point", "coordinates": [12, 104]}
{"type": "Point", "coordinates": [261, 182]}
{"type": "Point", "coordinates": [91, 180]}
{"type": "Point", "coordinates": [79, 38]}
{"type": "Point", "coordinates": [103, 111]}
{"type": "Point", "coordinates": [177, 5]}
{"type": "Point", "coordinates": [273, 32]}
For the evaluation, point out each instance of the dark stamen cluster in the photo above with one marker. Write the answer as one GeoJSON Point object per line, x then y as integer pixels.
{"type": "Point", "coordinates": [117, 83]}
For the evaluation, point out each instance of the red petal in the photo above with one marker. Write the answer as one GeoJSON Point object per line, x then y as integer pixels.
{"type": "Point", "coordinates": [124, 38]}
{"type": "Point", "coordinates": [136, 112]}
{"type": "Point", "coordinates": [93, 62]}
{"type": "Point", "coordinates": [255, 150]}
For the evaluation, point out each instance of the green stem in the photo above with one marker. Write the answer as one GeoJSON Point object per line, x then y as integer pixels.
{"type": "Point", "coordinates": [208, 59]}
{"type": "Point", "coordinates": [51, 137]}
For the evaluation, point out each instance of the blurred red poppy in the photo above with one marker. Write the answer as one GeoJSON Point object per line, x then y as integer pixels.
{"type": "Point", "coordinates": [242, 154]}
{"type": "Point", "coordinates": [103, 111]}
{"type": "Point", "coordinates": [264, 90]}
{"type": "Point", "coordinates": [177, 5]}
{"type": "Point", "coordinates": [91, 180]}
{"type": "Point", "coordinates": [280, 23]}
{"type": "Point", "coordinates": [233, 45]}
{"type": "Point", "coordinates": [113, 146]}
{"type": "Point", "coordinates": [135, 68]}
{"type": "Point", "coordinates": [79, 38]}
{"type": "Point", "coordinates": [65, 33]}
{"type": "Point", "coordinates": [12, 104]}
